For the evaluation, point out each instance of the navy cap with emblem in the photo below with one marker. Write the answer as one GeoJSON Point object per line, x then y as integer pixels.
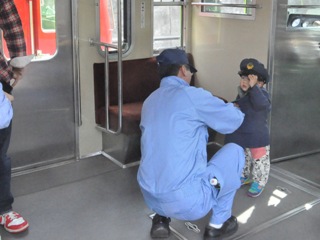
{"type": "Point", "coordinates": [253, 66]}
{"type": "Point", "coordinates": [174, 56]}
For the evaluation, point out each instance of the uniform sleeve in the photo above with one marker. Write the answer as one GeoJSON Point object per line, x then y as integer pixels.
{"type": "Point", "coordinates": [222, 117]}
{"type": "Point", "coordinates": [5, 110]}
{"type": "Point", "coordinates": [259, 99]}
{"type": "Point", "coordinates": [11, 26]}
{"type": "Point", "coordinates": [6, 73]}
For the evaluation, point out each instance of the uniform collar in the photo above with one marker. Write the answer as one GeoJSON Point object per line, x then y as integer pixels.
{"type": "Point", "coordinates": [173, 80]}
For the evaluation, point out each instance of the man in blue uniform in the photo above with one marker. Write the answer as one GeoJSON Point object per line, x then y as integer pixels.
{"type": "Point", "coordinates": [175, 177]}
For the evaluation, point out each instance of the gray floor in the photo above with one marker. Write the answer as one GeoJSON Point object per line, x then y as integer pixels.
{"type": "Point", "coordinates": [95, 199]}
{"type": "Point", "coordinates": [307, 167]}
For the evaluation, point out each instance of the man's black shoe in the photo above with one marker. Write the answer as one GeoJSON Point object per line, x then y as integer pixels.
{"type": "Point", "coordinates": [228, 228]}
{"type": "Point", "coordinates": [160, 227]}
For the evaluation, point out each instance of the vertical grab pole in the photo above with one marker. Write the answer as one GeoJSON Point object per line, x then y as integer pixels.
{"type": "Point", "coordinates": [106, 87]}
{"type": "Point", "coordinates": [120, 99]}
{"type": "Point", "coordinates": [107, 90]}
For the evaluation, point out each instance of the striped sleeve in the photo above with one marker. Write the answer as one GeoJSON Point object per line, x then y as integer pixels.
{"type": "Point", "coordinates": [11, 25]}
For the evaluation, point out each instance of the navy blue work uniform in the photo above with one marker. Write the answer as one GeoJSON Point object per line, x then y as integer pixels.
{"type": "Point", "coordinates": [254, 131]}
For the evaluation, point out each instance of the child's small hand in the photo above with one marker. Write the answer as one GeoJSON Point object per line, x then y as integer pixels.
{"type": "Point", "coordinates": [253, 80]}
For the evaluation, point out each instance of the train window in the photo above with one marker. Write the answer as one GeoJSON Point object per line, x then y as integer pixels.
{"type": "Point", "coordinates": [304, 2]}
{"type": "Point", "coordinates": [48, 15]}
{"type": "Point", "coordinates": [108, 23]}
{"type": "Point", "coordinates": [168, 24]}
{"type": "Point", "coordinates": [241, 9]}
{"type": "Point", "coordinates": [303, 21]}
{"type": "Point", "coordinates": [44, 30]}
{"type": "Point", "coordinates": [39, 25]}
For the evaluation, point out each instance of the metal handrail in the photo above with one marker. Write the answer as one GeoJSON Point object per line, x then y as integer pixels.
{"type": "Point", "coordinates": [163, 38]}
{"type": "Point", "coordinates": [299, 6]}
{"type": "Point", "coordinates": [226, 5]}
{"type": "Point", "coordinates": [106, 75]}
{"type": "Point", "coordinates": [168, 3]}
{"type": "Point", "coordinates": [107, 90]}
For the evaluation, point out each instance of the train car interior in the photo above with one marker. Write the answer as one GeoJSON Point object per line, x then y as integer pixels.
{"type": "Point", "coordinates": [75, 144]}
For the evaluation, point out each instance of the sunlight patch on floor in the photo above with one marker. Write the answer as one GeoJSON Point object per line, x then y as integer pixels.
{"type": "Point", "coordinates": [243, 217]}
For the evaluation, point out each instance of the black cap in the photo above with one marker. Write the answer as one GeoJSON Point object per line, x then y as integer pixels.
{"type": "Point", "coordinates": [253, 66]}
{"type": "Point", "coordinates": [174, 56]}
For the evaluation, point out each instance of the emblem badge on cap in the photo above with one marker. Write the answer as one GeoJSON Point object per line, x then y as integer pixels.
{"type": "Point", "coordinates": [250, 66]}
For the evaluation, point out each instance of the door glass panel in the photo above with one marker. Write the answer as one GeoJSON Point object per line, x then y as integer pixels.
{"type": "Point", "coordinates": [168, 24]}
{"type": "Point", "coordinates": [44, 29]}
{"type": "Point", "coordinates": [39, 25]}
{"type": "Point", "coordinates": [108, 23]}
{"type": "Point", "coordinates": [48, 15]}
{"type": "Point", "coordinates": [167, 27]}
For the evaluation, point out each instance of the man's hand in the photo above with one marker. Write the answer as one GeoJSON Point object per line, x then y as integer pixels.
{"type": "Point", "coordinates": [17, 75]}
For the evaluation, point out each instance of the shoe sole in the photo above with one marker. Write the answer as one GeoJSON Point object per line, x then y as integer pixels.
{"type": "Point", "coordinates": [160, 234]}
{"type": "Point", "coordinates": [224, 235]}
{"type": "Point", "coordinates": [254, 196]}
{"type": "Point", "coordinates": [17, 230]}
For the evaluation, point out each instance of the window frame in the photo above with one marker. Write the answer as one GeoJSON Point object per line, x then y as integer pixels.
{"type": "Point", "coordinates": [231, 15]}
{"type": "Point", "coordinates": [127, 28]}
{"type": "Point", "coordinates": [183, 32]}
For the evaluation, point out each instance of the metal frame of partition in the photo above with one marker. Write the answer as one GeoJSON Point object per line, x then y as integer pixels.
{"type": "Point", "coordinates": [106, 75]}
{"type": "Point", "coordinates": [107, 91]}
{"type": "Point", "coordinates": [293, 60]}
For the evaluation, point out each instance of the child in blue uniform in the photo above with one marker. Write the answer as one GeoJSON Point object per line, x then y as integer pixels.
{"type": "Point", "coordinates": [253, 135]}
